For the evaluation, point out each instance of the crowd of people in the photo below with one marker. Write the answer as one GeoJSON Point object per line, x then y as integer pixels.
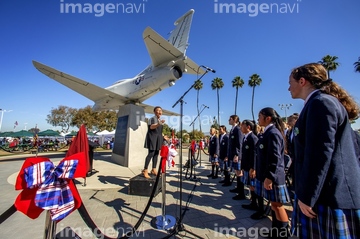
{"type": "Point", "coordinates": [254, 153]}
{"type": "Point", "coordinates": [42, 144]}
{"type": "Point", "coordinates": [315, 154]}
{"type": "Point", "coordinates": [22, 143]}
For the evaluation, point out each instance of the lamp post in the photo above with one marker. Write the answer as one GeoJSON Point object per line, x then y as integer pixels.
{"type": "Point", "coordinates": [2, 115]}
{"type": "Point", "coordinates": [285, 107]}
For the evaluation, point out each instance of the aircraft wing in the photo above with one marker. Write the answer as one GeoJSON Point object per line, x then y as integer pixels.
{"type": "Point", "coordinates": [95, 93]}
{"type": "Point", "coordinates": [150, 110]}
{"type": "Point", "coordinates": [193, 68]}
{"type": "Point", "coordinates": [162, 52]}
{"type": "Point", "coordinates": [90, 91]}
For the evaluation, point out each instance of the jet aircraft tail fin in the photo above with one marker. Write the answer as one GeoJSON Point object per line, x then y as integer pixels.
{"type": "Point", "coordinates": [180, 35]}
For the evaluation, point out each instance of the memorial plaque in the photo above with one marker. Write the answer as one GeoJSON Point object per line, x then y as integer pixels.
{"type": "Point", "coordinates": [120, 135]}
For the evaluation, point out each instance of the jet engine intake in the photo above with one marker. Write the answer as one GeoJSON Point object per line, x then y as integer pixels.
{"type": "Point", "coordinates": [177, 72]}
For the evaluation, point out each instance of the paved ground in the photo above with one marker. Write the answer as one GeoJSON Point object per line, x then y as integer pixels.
{"type": "Point", "coordinates": [211, 212]}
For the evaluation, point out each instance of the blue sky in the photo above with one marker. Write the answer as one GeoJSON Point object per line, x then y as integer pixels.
{"type": "Point", "coordinates": [107, 48]}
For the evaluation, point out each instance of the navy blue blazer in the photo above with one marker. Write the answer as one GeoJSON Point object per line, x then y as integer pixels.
{"type": "Point", "coordinates": [224, 139]}
{"type": "Point", "coordinates": [357, 144]}
{"type": "Point", "coordinates": [249, 152]}
{"type": "Point", "coordinates": [213, 146]}
{"type": "Point", "coordinates": [327, 171]}
{"type": "Point", "coordinates": [270, 156]}
{"type": "Point", "coordinates": [236, 138]}
{"type": "Point", "coordinates": [290, 143]}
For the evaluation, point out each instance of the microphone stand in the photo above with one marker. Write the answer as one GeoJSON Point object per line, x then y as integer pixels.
{"type": "Point", "coordinates": [193, 123]}
{"type": "Point", "coordinates": [180, 226]}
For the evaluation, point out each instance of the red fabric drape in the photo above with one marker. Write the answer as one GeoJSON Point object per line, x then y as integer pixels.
{"type": "Point", "coordinates": [164, 154]}
{"type": "Point", "coordinates": [81, 144]}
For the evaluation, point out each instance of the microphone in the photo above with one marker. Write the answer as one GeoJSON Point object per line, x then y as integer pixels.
{"type": "Point", "coordinates": [206, 106]}
{"type": "Point", "coordinates": [209, 69]}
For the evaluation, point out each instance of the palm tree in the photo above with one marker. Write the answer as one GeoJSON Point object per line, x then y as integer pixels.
{"type": "Point", "coordinates": [198, 85]}
{"type": "Point", "coordinates": [330, 64]}
{"type": "Point", "coordinates": [357, 65]}
{"type": "Point", "coordinates": [237, 82]}
{"type": "Point", "coordinates": [217, 84]}
{"type": "Point", "coordinates": [254, 81]}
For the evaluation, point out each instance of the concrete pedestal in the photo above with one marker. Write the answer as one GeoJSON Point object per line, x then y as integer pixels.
{"type": "Point", "coordinates": [130, 136]}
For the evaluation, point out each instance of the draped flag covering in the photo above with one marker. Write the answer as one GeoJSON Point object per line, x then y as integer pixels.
{"type": "Point", "coordinates": [50, 187]}
{"type": "Point", "coordinates": [80, 144]}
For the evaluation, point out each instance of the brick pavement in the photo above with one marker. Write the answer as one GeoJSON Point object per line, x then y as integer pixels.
{"type": "Point", "coordinates": [211, 211]}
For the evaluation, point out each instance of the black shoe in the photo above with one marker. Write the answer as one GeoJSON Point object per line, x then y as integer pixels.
{"type": "Point", "coordinates": [214, 177]}
{"type": "Point", "coordinates": [239, 197]}
{"type": "Point", "coordinates": [210, 175]}
{"type": "Point", "coordinates": [222, 181]}
{"type": "Point", "coordinates": [257, 215]}
{"type": "Point", "coordinates": [226, 184]}
{"type": "Point", "coordinates": [234, 190]}
{"type": "Point", "coordinates": [250, 206]}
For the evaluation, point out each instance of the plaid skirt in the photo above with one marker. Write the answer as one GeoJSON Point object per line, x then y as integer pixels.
{"type": "Point", "coordinates": [245, 179]}
{"type": "Point", "coordinates": [235, 166]}
{"type": "Point", "coordinates": [279, 193]}
{"type": "Point", "coordinates": [329, 223]}
{"type": "Point", "coordinates": [229, 165]}
{"type": "Point", "coordinates": [221, 163]}
{"type": "Point", "coordinates": [213, 159]}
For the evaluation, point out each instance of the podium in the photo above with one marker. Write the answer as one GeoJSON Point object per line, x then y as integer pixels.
{"type": "Point", "coordinates": [141, 186]}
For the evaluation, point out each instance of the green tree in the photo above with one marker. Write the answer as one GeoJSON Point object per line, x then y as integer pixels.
{"type": "Point", "coordinates": [357, 65]}
{"type": "Point", "coordinates": [61, 116]}
{"type": "Point", "coordinates": [254, 81]}
{"type": "Point", "coordinates": [180, 134]}
{"type": "Point", "coordinates": [185, 138]}
{"type": "Point", "coordinates": [237, 82]}
{"type": "Point", "coordinates": [65, 117]}
{"type": "Point", "coordinates": [95, 121]}
{"type": "Point", "coordinates": [33, 130]}
{"type": "Point", "coordinates": [330, 64]}
{"type": "Point", "coordinates": [217, 84]}
{"type": "Point", "coordinates": [106, 120]}
{"type": "Point", "coordinates": [167, 130]}
{"type": "Point", "coordinates": [85, 116]}
{"type": "Point", "coordinates": [196, 134]}
{"type": "Point", "coordinates": [198, 85]}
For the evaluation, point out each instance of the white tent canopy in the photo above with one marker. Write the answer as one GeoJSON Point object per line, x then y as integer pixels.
{"type": "Point", "coordinates": [105, 136]}
{"type": "Point", "coordinates": [104, 132]}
